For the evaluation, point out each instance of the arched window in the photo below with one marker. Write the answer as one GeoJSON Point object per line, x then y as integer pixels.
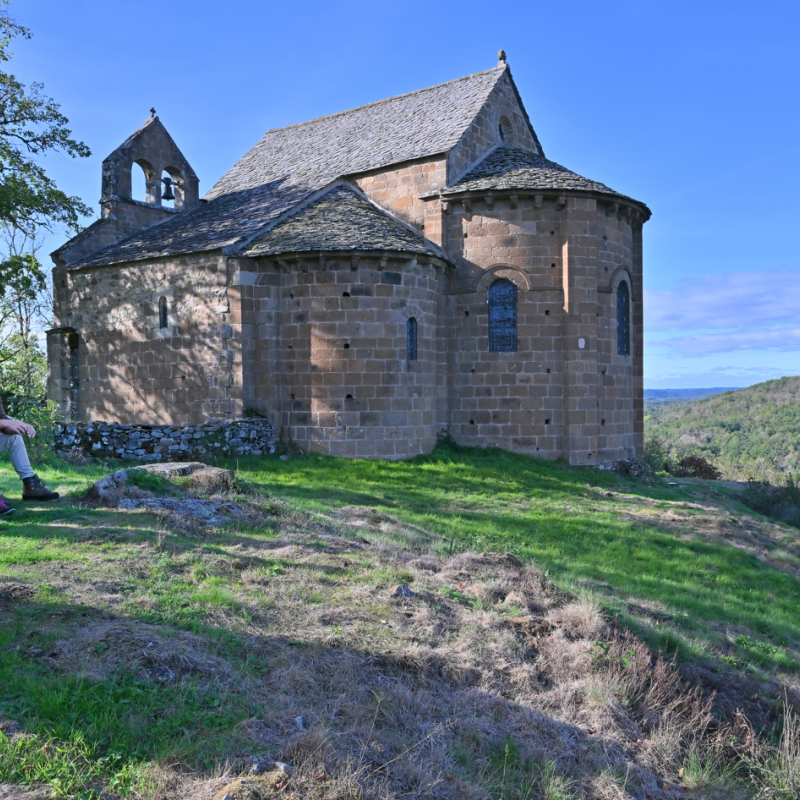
{"type": "Point", "coordinates": [411, 339]}
{"type": "Point", "coordinates": [139, 183]}
{"type": "Point", "coordinates": [162, 312]}
{"type": "Point", "coordinates": [623, 319]}
{"type": "Point", "coordinates": [503, 317]}
{"type": "Point", "coordinates": [504, 129]}
{"type": "Point", "coordinates": [143, 184]}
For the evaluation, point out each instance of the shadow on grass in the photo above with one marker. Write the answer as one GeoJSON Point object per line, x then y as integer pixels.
{"type": "Point", "coordinates": [209, 712]}
{"type": "Point", "coordinates": [710, 593]}
{"type": "Point", "coordinates": [500, 501]}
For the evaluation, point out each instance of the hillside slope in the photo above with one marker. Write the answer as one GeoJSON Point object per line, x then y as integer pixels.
{"type": "Point", "coordinates": [761, 422]}
{"type": "Point", "coordinates": [469, 625]}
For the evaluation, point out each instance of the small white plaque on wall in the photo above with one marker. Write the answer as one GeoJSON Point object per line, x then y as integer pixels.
{"type": "Point", "coordinates": [581, 343]}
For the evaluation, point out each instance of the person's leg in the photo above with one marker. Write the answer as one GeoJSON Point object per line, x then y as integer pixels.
{"type": "Point", "coordinates": [18, 454]}
{"type": "Point", "coordinates": [32, 486]}
{"type": "Point", "coordinates": [5, 444]}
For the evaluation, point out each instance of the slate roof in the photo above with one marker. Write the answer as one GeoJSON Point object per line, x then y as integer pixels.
{"type": "Point", "coordinates": [224, 222]}
{"type": "Point", "coordinates": [340, 219]}
{"type": "Point", "coordinates": [289, 164]}
{"type": "Point", "coordinates": [409, 126]}
{"type": "Point", "coordinates": [510, 168]}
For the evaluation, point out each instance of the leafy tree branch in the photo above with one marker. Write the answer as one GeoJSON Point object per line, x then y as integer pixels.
{"type": "Point", "coordinates": [31, 126]}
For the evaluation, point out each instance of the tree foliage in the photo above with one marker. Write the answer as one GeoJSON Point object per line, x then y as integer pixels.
{"type": "Point", "coordinates": [23, 274]}
{"type": "Point", "coordinates": [753, 432]}
{"type": "Point", "coordinates": [25, 309]}
{"type": "Point", "coordinates": [31, 126]}
{"type": "Point", "coordinates": [9, 28]}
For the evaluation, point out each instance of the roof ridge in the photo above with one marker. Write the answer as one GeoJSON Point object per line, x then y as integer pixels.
{"type": "Point", "coordinates": [385, 100]}
{"type": "Point", "coordinates": [153, 118]}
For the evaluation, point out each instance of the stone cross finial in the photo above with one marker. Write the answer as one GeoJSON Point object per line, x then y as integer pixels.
{"type": "Point", "coordinates": [152, 112]}
{"type": "Point", "coordinates": [502, 58]}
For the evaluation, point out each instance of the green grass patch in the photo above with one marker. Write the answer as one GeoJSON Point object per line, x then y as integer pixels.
{"type": "Point", "coordinates": [633, 546]}
{"type": "Point", "coordinates": [560, 518]}
{"type": "Point", "coordinates": [86, 732]}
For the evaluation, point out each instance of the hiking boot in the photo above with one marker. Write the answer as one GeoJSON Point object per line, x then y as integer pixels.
{"type": "Point", "coordinates": [5, 508]}
{"type": "Point", "coordinates": [34, 489]}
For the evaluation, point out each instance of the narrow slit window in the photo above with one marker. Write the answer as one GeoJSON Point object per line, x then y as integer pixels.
{"type": "Point", "coordinates": [623, 319]}
{"type": "Point", "coordinates": [503, 317]}
{"type": "Point", "coordinates": [162, 312]}
{"type": "Point", "coordinates": [411, 339]}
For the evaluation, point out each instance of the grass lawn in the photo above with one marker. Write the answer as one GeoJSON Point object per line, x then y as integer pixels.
{"type": "Point", "coordinates": [684, 566]}
{"type": "Point", "coordinates": [662, 560]}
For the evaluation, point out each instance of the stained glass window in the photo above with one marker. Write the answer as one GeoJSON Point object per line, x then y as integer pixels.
{"type": "Point", "coordinates": [503, 317]}
{"type": "Point", "coordinates": [162, 312]}
{"type": "Point", "coordinates": [411, 339]}
{"type": "Point", "coordinates": [623, 320]}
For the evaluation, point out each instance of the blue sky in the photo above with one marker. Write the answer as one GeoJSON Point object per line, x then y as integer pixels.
{"type": "Point", "coordinates": [691, 107]}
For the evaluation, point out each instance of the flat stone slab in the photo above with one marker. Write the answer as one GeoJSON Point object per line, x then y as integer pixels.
{"type": "Point", "coordinates": [207, 512]}
{"type": "Point", "coordinates": [202, 476]}
{"type": "Point", "coordinates": [173, 469]}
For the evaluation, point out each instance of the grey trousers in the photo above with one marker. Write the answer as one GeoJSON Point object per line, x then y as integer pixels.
{"type": "Point", "coordinates": [18, 453]}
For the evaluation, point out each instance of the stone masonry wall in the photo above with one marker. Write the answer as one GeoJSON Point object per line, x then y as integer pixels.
{"type": "Point", "coordinates": [483, 134]}
{"type": "Point", "coordinates": [270, 336]}
{"type": "Point", "coordinates": [339, 352]}
{"type": "Point", "coordinates": [257, 283]}
{"type": "Point", "coordinates": [616, 380]}
{"type": "Point", "coordinates": [129, 369]}
{"type": "Point", "coordinates": [167, 442]}
{"type": "Point", "coordinates": [566, 392]}
{"type": "Point", "coordinates": [397, 190]}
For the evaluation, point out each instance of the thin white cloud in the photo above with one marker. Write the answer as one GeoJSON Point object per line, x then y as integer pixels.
{"type": "Point", "coordinates": [704, 344]}
{"type": "Point", "coordinates": [735, 301]}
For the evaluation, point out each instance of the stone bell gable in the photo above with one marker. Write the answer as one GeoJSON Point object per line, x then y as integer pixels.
{"type": "Point", "coordinates": [365, 281]}
{"type": "Point", "coordinates": [153, 149]}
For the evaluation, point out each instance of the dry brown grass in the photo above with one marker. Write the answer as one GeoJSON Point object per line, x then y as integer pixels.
{"type": "Point", "coordinates": [489, 682]}
{"type": "Point", "coordinates": [417, 697]}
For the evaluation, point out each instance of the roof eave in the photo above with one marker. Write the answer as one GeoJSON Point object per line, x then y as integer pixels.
{"type": "Point", "coordinates": [458, 194]}
{"type": "Point", "coordinates": [80, 266]}
{"type": "Point", "coordinates": [352, 253]}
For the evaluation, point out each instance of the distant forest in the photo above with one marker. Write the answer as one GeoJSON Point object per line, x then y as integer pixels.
{"type": "Point", "coordinates": [753, 432]}
{"type": "Point", "coordinates": [676, 395]}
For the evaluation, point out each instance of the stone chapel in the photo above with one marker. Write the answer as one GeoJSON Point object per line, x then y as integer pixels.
{"type": "Point", "coordinates": [365, 281]}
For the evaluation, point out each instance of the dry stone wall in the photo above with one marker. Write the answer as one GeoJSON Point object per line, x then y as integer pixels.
{"type": "Point", "coordinates": [167, 442]}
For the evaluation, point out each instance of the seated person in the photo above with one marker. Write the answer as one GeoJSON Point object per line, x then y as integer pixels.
{"type": "Point", "coordinates": [11, 433]}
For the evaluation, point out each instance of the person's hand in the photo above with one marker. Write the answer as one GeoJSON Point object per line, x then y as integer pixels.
{"type": "Point", "coordinates": [12, 426]}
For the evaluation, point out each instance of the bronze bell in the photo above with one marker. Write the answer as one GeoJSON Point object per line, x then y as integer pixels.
{"type": "Point", "coordinates": [167, 194]}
